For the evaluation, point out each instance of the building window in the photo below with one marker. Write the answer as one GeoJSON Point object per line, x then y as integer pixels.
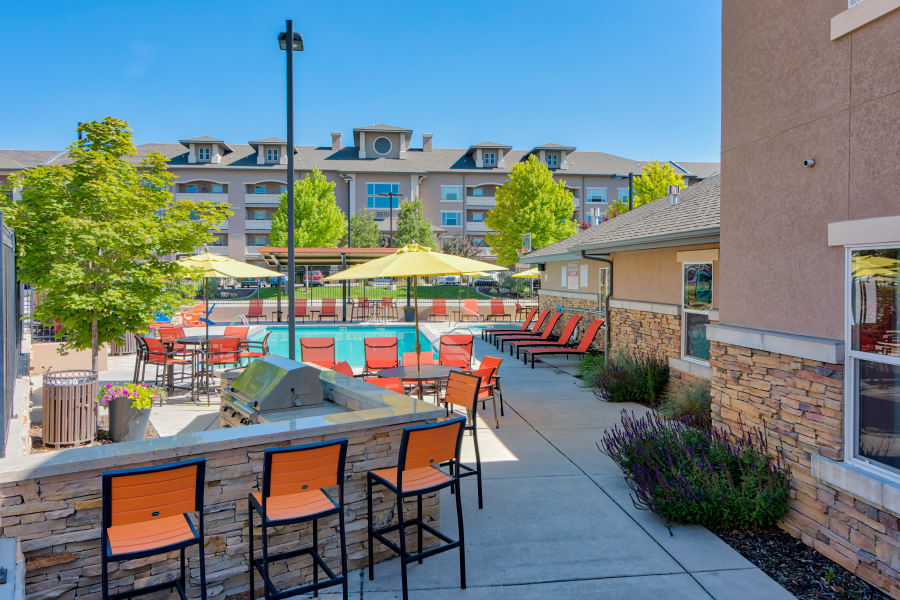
{"type": "Point", "coordinates": [259, 189]}
{"type": "Point", "coordinates": [478, 192]}
{"type": "Point", "coordinates": [282, 189]}
{"type": "Point", "coordinates": [697, 301]}
{"type": "Point", "coordinates": [873, 356]}
{"type": "Point", "coordinates": [382, 145]}
{"type": "Point", "coordinates": [272, 154]}
{"type": "Point", "coordinates": [451, 218]}
{"type": "Point", "coordinates": [552, 160]}
{"type": "Point", "coordinates": [596, 195]}
{"type": "Point", "coordinates": [476, 217]}
{"type": "Point", "coordinates": [451, 193]}
{"type": "Point", "coordinates": [202, 153]}
{"type": "Point", "coordinates": [219, 240]}
{"type": "Point", "coordinates": [257, 239]}
{"type": "Point", "coordinates": [489, 158]}
{"type": "Point", "coordinates": [190, 189]}
{"type": "Point", "coordinates": [623, 194]}
{"type": "Point", "coordinates": [258, 215]}
{"type": "Point", "coordinates": [478, 241]}
{"type": "Point", "coordinates": [217, 188]}
{"type": "Point", "coordinates": [373, 200]}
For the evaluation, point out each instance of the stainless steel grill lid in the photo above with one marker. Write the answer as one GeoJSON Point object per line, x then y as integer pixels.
{"type": "Point", "coordinates": [277, 383]}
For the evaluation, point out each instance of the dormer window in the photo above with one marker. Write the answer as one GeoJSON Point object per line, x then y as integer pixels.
{"type": "Point", "coordinates": [272, 154]}
{"type": "Point", "coordinates": [203, 153]}
{"type": "Point", "coordinates": [490, 159]}
{"type": "Point", "coordinates": [552, 160]}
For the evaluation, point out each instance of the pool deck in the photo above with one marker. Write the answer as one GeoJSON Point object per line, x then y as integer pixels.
{"type": "Point", "coordinates": [558, 521]}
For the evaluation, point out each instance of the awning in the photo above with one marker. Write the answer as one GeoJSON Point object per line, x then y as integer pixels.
{"type": "Point", "coordinates": [278, 257]}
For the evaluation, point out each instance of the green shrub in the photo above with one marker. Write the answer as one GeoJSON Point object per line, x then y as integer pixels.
{"type": "Point", "coordinates": [690, 403]}
{"type": "Point", "coordinates": [627, 379]}
{"type": "Point", "coordinates": [690, 476]}
{"type": "Point", "coordinates": [588, 365]}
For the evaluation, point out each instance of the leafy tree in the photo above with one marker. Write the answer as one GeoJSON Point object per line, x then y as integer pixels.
{"type": "Point", "coordinates": [318, 222]}
{"type": "Point", "coordinates": [364, 230]}
{"type": "Point", "coordinates": [95, 237]}
{"type": "Point", "coordinates": [652, 185]}
{"type": "Point", "coordinates": [412, 226]}
{"type": "Point", "coordinates": [530, 201]}
{"type": "Point", "coordinates": [460, 245]}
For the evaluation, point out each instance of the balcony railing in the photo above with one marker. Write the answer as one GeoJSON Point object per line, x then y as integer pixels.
{"type": "Point", "coordinates": [257, 225]}
{"type": "Point", "coordinates": [481, 201]}
{"type": "Point", "coordinates": [198, 197]}
{"type": "Point", "coordinates": [477, 227]}
{"type": "Point", "coordinates": [261, 199]}
{"type": "Point", "coordinates": [223, 250]}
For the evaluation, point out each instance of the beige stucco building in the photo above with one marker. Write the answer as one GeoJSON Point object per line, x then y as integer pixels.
{"type": "Point", "coordinates": [456, 185]}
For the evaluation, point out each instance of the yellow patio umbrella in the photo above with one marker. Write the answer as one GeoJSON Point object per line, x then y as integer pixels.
{"type": "Point", "coordinates": [868, 266]}
{"type": "Point", "coordinates": [531, 273]}
{"type": "Point", "coordinates": [208, 265]}
{"type": "Point", "coordinates": [413, 260]}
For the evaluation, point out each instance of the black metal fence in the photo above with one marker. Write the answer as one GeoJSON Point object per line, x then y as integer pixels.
{"type": "Point", "coordinates": [10, 330]}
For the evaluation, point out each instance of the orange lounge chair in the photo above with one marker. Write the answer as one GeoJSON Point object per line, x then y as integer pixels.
{"type": "Point", "coordinates": [487, 332]}
{"type": "Point", "coordinates": [582, 347]}
{"type": "Point", "coordinates": [498, 335]}
{"type": "Point", "coordinates": [561, 341]}
{"type": "Point", "coordinates": [544, 334]}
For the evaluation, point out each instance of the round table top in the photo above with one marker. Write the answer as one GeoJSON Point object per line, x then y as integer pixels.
{"type": "Point", "coordinates": [426, 372]}
{"type": "Point", "coordinates": [199, 339]}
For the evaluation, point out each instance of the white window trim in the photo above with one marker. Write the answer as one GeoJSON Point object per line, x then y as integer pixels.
{"type": "Point", "coordinates": [851, 399]}
{"type": "Point", "coordinates": [459, 193]}
{"type": "Point", "coordinates": [270, 156]}
{"type": "Point", "coordinates": [390, 145]}
{"type": "Point", "coordinates": [459, 219]}
{"type": "Point", "coordinates": [390, 201]}
{"type": "Point", "coordinates": [684, 310]}
{"type": "Point", "coordinates": [492, 162]}
{"type": "Point", "coordinates": [555, 161]}
{"type": "Point", "coordinates": [587, 195]}
{"type": "Point", "coordinates": [208, 152]}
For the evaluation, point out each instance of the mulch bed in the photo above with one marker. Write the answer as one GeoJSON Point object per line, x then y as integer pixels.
{"type": "Point", "coordinates": [37, 442]}
{"type": "Point", "coordinates": [798, 568]}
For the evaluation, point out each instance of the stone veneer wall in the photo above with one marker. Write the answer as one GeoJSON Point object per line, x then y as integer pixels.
{"type": "Point", "coordinates": [644, 333]}
{"type": "Point", "coordinates": [547, 301]}
{"type": "Point", "coordinates": [57, 519]}
{"type": "Point", "coordinates": [799, 404]}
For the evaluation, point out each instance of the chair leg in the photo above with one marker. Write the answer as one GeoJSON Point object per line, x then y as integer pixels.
{"type": "Point", "coordinates": [477, 461]}
{"type": "Point", "coordinates": [462, 536]}
{"type": "Point", "coordinates": [315, 528]}
{"type": "Point", "coordinates": [419, 503]}
{"type": "Point", "coordinates": [183, 584]}
{"type": "Point", "coordinates": [500, 393]}
{"type": "Point", "coordinates": [252, 566]}
{"type": "Point", "coordinates": [402, 532]}
{"type": "Point", "coordinates": [371, 529]}
{"type": "Point", "coordinates": [494, 400]}
{"type": "Point", "coordinates": [265, 551]}
{"type": "Point", "coordinates": [202, 554]}
{"type": "Point", "coordinates": [343, 540]}
{"type": "Point", "coordinates": [104, 575]}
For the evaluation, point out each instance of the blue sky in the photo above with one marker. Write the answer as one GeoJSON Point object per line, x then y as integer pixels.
{"type": "Point", "coordinates": [639, 79]}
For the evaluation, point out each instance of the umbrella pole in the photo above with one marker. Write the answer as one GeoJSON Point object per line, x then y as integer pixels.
{"type": "Point", "coordinates": [418, 345]}
{"type": "Point", "coordinates": [206, 300]}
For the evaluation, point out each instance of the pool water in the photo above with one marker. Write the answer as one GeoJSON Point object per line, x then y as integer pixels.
{"type": "Point", "coordinates": [348, 341]}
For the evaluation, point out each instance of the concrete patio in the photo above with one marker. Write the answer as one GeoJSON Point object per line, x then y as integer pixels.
{"type": "Point", "coordinates": [558, 520]}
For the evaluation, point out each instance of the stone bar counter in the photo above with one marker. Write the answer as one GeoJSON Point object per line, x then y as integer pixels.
{"type": "Point", "coordinates": [51, 502]}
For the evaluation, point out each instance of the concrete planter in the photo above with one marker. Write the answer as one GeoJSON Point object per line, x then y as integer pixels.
{"type": "Point", "coordinates": [127, 424]}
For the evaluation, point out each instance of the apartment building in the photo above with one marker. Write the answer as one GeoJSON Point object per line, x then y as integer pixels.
{"type": "Point", "coordinates": [456, 185]}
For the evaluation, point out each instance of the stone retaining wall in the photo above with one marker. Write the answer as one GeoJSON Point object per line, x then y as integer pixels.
{"type": "Point", "coordinates": [57, 519]}
{"type": "Point", "coordinates": [799, 404]}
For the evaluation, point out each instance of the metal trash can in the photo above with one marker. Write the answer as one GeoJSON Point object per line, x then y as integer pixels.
{"type": "Point", "coordinates": [69, 408]}
{"type": "Point", "coordinates": [127, 345]}
{"type": "Point", "coordinates": [409, 314]}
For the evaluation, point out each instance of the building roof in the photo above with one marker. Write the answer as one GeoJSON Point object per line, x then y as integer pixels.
{"type": "Point", "coordinates": [205, 139]}
{"type": "Point", "coordinates": [268, 140]}
{"type": "Point", "coordinates": [696, 214]}
{"type": "Point", "coordinates": [551, 146]}
{"type": "Point", "coordinates": [15, 160]}
{"type": "Point", "coordinates": [697, 169]}
{"type": "Point", "coordinates": [488, 145]}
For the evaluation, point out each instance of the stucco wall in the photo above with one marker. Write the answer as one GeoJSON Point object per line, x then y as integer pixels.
{"type": "Point", "coordinates": [655, 275]}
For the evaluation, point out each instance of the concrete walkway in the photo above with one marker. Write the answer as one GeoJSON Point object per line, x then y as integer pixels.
{"type": "Point", "coordinates": [558, 521]}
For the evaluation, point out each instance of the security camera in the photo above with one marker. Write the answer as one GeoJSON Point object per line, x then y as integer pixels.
{"type": "Point", "coordinates": [809, 162]}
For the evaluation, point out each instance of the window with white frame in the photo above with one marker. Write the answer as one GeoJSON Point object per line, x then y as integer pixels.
{"type": "Point", "coordinates": [697, 301]}
{"type": "Point", "coordinates": [552, 160]}
{"type": "Point", "coordinates": [451, 193]}
{"type": "Point", "coordinates": [374, 200]}
{"type": "Point", "coordinates": [451, 218]}
{"type": "Point", "coordinates": [489, 158]}
{"type": "Point", "coordinates": [872, 380]}
{"type": "Point", "coordinates": [202, 153]}
{"type": "Point", "coordinates": [596, 194]}
{"type": "Point", "coordinates": [272, 154]}
{"type": "Point", "coordinates": [623, 194]}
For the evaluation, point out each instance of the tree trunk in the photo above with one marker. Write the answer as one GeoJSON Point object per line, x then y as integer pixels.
{"type": "Point", "coordinates": [95, 346]}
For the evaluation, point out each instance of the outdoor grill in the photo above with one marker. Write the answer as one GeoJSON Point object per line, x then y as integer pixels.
{"type": "Point", "coordinates": [270, 389]}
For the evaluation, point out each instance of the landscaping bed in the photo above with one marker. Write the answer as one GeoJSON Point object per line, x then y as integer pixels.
{"type": "Point", "coordinates": [797, 567]}
{"type": "Point", "coordinates": [37, 442]}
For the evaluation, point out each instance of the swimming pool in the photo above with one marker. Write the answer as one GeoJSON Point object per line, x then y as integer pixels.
{"type": "Point", "coordinates": [348, 341]}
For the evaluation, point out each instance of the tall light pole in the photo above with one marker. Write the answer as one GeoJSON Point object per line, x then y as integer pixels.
{"type": "Point", "coordinates": [348, 179]}
{"type": "Point", "coordinates": [391, 196]}
{"type": "Point", "coordinates": [290, 42]}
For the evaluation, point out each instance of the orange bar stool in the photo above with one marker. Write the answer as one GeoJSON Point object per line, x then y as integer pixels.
{"type": "Point", "coordinates": [145, 512]}
{"type": "Point", "coordinates": [463, 390]}
{"type": "Point", "coordinates": [423, 449]}
{"type": "Point", "coordinates": [293, 491]}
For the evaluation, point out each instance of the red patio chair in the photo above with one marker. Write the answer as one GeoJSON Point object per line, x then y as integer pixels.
{"type": "Point", "coordinates": [344, 368]}
{"type": "Point", "coordinates": [520, 310]}
{"type": "Point", "coordinates": [221, 352]}
{"type": "Point", "coordinates": [300, 309]}
{"type": "Point", "coordinates": [168, 335]}
{"type": "Point", "coordinates": [362, 307]}
{"type": "Point", "coordinates": [439, 309]}
{"type": "Point", "coordinates": [462, 391]}
{"type": "Point", "coordinates": [470, 309]}
{"type": "Point", "coordinates": [456, 350]}
{"type": "Point", "coordinates": [328, 309]}
{"type": "Point", "coordinates": [381, 353]}
{"type": "Point", "coordinates": [388, 307]}
{"type": "Point", "coordinates": [165, 361]}
{"type": "Point", "coordinates": [486, 389]}
{"type": "Point", "coordinates": [394, 384]}
{"type": "Point", "coordinates": [494, 363]}
{"type": "Point", "coordinates": [256, 309]}
{"type": "Point", "coordinates": [490, 331]}
{"type": "Point", "coordinates": [425, 358]}
{"type": "Point", "coordinates": [495, 335]}
{"type": "Point", "coordinates": [561, 341]}
{"type": "Point", "coordinates": [254, 348]}
{"type": "Point", "coordinates": [238, 331]}
{"type": "Point", "coordinates": [544, 334]}
{"type": "Point", "coordinates": [582, 347]}
{"type": "Point", "coordinates": [319, 351]}
{"type": "Point", "coordinates": [498, 310]}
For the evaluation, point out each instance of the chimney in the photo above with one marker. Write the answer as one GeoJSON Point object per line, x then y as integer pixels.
{"type": "Point", "coordinates": [336, 140]}
{"type": "Point", "coordinates": [426, 141]}
{"type": "Point", "coordinates": [673, 194]}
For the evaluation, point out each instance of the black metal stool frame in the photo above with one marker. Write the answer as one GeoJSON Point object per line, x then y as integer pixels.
{"type": "Point", "coordinates": [400, 526]}
{"type": "Point", "coordinates": [262, 564]}
{"type": "Point", "coordinates": [470, 417]}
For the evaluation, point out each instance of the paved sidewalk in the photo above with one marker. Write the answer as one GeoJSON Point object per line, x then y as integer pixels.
{"type": "Point", "coordinates": [558, 521]}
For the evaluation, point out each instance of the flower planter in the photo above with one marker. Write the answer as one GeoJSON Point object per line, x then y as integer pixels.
{"type": "Point", "coordinates": [127, 424]}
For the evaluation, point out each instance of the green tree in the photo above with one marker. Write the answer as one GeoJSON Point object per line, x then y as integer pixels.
{"type": "Point", "coordinates": [412, 226]}
{"type": "Point", "coordinates": [530, 201]}
{"type": "Point", "coordinates": [95, 237]}
{"type": "Point", "coordinates": [652, 185]}
{"type": "Point", "coordinates": [318, 222]}
{"type": "Point", "coordinates": [364, 230]}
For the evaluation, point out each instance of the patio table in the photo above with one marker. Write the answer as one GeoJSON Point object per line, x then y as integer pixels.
{"type": "Point", "coordinates": [201, 342]}
{"type": "Point", "coordinates": [419, 375]}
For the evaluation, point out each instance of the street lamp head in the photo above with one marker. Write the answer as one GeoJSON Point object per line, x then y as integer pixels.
{"type": "Point", "coordinates": [297, 46]}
